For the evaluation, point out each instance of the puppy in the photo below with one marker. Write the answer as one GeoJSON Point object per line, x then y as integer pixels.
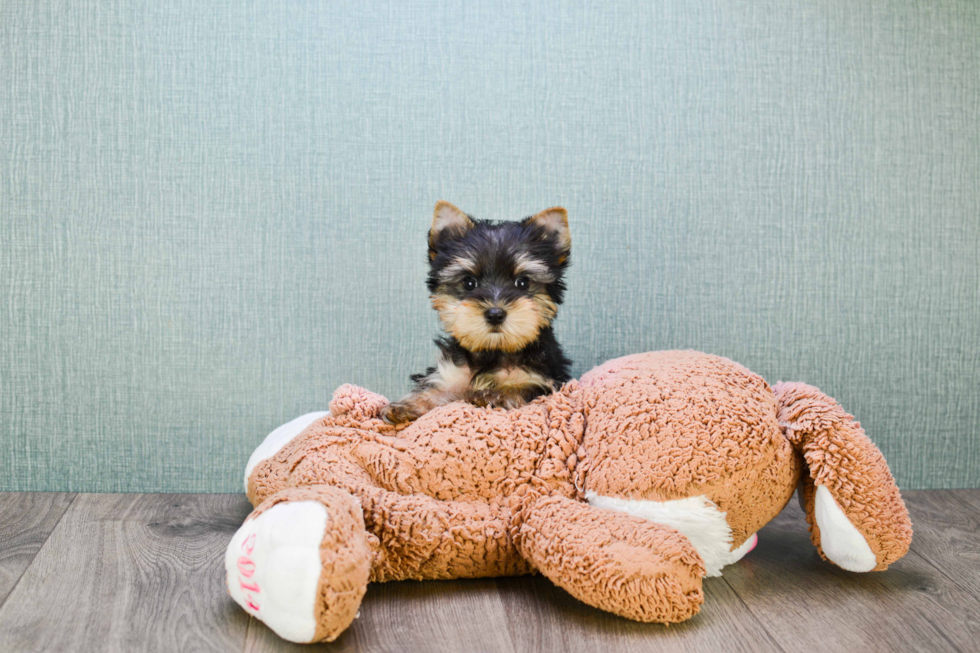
{"type": "Point", "coordinates": [496, 287]}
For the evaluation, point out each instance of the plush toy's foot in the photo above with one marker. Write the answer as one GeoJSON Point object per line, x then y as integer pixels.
{"type": "Point", "coordinates": [300, 563]}
{"type": "Point", "coordinates": [614, 561]}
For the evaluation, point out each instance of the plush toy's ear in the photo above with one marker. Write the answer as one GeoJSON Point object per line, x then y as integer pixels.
{"type": "Point", "coordinates": [447, 220]}
{"type": "Point", "coordinates": [857, 517]}
{"type": "Point", "coordinates": [554, 223]}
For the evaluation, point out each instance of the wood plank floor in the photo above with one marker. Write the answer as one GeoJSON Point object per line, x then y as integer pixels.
{"type": "Point", "coordinates": [143, 572]}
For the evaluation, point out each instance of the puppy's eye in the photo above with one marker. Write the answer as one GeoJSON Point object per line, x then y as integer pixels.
{"type": "Point", "coordinates": [470, 284]}
{"type": "Point", "coordinates": [522, 283]}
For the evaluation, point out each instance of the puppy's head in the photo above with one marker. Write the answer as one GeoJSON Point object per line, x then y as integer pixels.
{"type": "Point", "coordinates": [495, 285]}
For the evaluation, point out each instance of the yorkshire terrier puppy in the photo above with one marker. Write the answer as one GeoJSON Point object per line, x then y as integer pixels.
{"type": "Point", "coordinates": [496, 287]}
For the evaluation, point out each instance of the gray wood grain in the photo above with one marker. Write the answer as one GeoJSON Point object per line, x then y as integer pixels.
{"type": "Point", "coordinates": [947, 534]}
{"type": "Point", "coordinates": [450, 616]}
{"type": "Point", "coordinates": [542, 617]}
{"type": "Point", "coordinates": [145, 573]}
{"type": "Point", "coordinates": [808, 604]}
{"type": "Point", "coordinates": [130, 573]}
{"type": "Point", "coordinates": [27, 520]}
{"type": "Point", "coordinates": [970, 497]}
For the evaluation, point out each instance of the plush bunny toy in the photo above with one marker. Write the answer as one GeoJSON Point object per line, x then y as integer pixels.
{"type": "Point", "coordinates": [625, 488]}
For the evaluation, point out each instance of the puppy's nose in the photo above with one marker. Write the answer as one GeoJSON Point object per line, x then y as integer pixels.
{"type": "Point", "coordinates": [495, 316]}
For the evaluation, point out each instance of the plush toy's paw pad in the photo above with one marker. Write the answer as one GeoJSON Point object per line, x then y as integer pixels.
{"type": "Point", "coordinates": [356, 402]}
{"type": "Point", "coordinates": [273, 566]}
{"type": "Point", "coordinates": [840, 541]}
{"type": "Point", "coordinates": [301, 563]}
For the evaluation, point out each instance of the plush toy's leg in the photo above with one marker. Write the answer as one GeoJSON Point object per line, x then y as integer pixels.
{"type": "Point", "coordinates": [301, 562]}
{"type": "Point", "coordinates": [613, 561]}
{"type": "Point", "coordinates": [856, 514]}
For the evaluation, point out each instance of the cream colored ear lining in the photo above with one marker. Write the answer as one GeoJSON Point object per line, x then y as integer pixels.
{"type": "Point", "coordinates": [555, 220]}
{"type": "Point", "coordinates": [447, 216]}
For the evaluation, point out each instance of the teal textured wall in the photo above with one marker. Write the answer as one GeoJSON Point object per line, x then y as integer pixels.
{"type": "Point", "coordinates": [213, 213]}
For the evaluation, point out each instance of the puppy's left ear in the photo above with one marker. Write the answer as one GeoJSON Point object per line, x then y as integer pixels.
{"type": "Point", "coordinates": [554, 223]}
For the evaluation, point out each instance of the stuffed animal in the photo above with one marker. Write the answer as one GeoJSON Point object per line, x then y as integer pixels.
{"type": "Point", "coordinates": [625, 488]}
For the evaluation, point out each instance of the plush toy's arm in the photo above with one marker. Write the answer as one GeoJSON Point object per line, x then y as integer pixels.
{"type": "Point", "coordinates": [422, 538]}
{"type": "Point", "coordinates": [613, 561]}
{"type": "Point", "coordinates": [356, 403]}
{"type": "Point", "coordinates": [857, 517]}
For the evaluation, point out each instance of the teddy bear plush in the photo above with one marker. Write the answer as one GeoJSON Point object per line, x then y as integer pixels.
{"type": "Point", "coordinates": [625, 488]}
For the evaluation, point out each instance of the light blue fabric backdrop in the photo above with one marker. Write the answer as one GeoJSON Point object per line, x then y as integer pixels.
{"type": "Point", "coordinates": [213, 213]}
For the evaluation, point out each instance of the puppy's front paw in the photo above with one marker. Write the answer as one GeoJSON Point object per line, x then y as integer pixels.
{"type": "Point", "coordinates": [481, 398]}
{"type": "Point", "coordinates": [401, 412]}
{"type": "Point", "coordinates": [496, 399]}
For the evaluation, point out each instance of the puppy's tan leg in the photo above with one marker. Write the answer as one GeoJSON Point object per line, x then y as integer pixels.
{"type": "Point", "coordinates": [497, 398]}
{"type": "Point", "coordinates": [443, 384]}
{"type": "Point", "coordinates": [414, 405]}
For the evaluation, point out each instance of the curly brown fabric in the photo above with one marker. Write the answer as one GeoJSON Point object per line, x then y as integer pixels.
{"type": "Point", "coordinates": [469, 492]}
{"type": "Point", "coordinates": [675, 424]}
{"type": "Point", "coordinates": [840, 457]}
{"type": "Point", "coordinates": [344, 555]}
{"type": "Point", "coordinates": [625, 565]}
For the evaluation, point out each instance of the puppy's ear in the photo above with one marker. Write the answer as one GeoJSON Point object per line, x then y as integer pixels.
{"type": "Point", "coordinates": [447, 220]}
{"type": "Point", "coordinates": [554, 223]}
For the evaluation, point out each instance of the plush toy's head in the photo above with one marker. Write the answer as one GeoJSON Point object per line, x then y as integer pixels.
{"type": "Point", "coordinates": [692, 440]}
{"type": "Point", "coordinates": [670, 431]}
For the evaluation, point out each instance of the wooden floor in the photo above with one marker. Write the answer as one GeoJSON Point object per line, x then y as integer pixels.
{"type": "Point", "coordinates": [144, 572]}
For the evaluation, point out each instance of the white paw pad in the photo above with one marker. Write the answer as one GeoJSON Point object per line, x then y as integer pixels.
{"type": "Point", "coordinates": [273, 567]}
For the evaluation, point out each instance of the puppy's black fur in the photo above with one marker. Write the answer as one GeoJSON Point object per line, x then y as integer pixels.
{"type": "Point", "coordinates": [497, 287]}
